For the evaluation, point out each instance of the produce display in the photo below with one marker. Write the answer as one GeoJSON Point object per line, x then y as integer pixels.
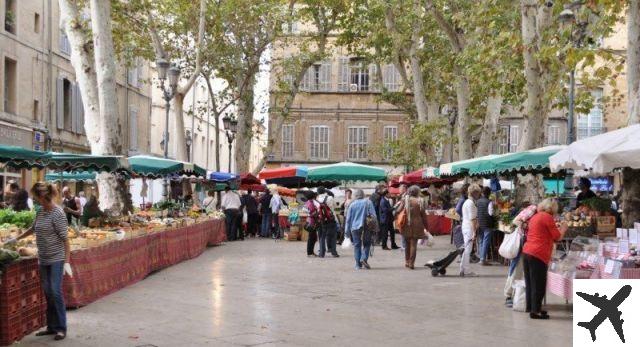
{"type": "Point", "coordinates": [100, 230]}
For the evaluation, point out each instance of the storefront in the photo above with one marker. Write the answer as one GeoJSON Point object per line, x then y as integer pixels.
{"type": "Point", "coordinates": [24, 137]}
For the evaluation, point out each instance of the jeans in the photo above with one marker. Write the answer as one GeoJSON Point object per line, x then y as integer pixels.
{"type": "Point", "coordinates": [252, 224]}
{"type": "Point", "coordinates": [51, 280]}
{"type": "Point", "coordinates": [265, 229]}
{"type": "Point", "coordinates": [331, 235]}
{"type": "Point", "coordinates": [535, 279]}
{"type": "Point", "coordinates": [468, 246]}
{"type": "Point", "coordinates": [231, 222]}
{"type": "Point", "coordinates": [322, 241]}
{"type": "Point", "coordinates": [485, 242]}
{"type": "Point", "coordinates": [515, 273]}
{"type": "Point", "coordinates": [311, 242]}
{"type": "Point", "coordinates": [361, 245]}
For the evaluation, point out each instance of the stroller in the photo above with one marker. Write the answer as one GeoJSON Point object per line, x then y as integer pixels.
{"type": "Point", "coordinates": [440, 266]}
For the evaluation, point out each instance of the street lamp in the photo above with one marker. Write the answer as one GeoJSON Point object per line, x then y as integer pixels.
{"type": "Point", "coordinates": [189, 142]}
{"type": "Point", "coordinates": [578, 33]}
{"type": "Point", "coordinates": [173, 72]}
{"type": "Point", "coordinates": [230, 129]}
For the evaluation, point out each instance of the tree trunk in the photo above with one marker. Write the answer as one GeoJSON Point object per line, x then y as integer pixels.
{"type": "Point", "coordinates": [463, 95]}
{"type": "Point", "coordinates": [178, 136]}
{"type": "Point", "coordinates": [244, 135]}
{"type": "Point", "coordinates": [528, 188]}
{"type": "Point", "coordinates": [420, 98]}
{"type": "Point", "coordinates": [630, 197]}
{"type": "Point", "coordinates": [633, 62]}
{"type": "Point", "coordinates": [533, 21]}
{"type": "Point", "coordinates": [490, 126]}
{"type": "Point", "coordinates": [433, 111]}
{"type": "Point", "coordinates": [112, 195]}
{"type": "Point", "coordinates": [84, 65]}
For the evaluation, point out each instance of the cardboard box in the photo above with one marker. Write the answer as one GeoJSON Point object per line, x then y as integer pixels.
{"type": "Point", "coordinates": [291, 236]}
{"type": "Point", "coordinates": [606, 226]}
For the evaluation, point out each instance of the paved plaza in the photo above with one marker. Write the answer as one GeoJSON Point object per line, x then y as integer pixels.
{"type": "Point", "coordinates": [266, 293]}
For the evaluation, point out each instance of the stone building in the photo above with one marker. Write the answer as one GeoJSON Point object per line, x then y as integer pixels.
{"type": "Point", "coordinates": [609, 111]}
{"type": "Point", "coordinates": [41, 106]}
{"type": "Point", "coordinates": [337, 115]}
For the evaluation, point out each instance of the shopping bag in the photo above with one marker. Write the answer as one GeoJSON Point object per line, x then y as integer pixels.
{"type": "Point", "coordinates": [429, 240]}
{"type": "Point", "coordinates": [346, 244]}
{"type": "Point", "coordinates": [519, 296]}
{"type": "Point", "coordinates": [510, 246]}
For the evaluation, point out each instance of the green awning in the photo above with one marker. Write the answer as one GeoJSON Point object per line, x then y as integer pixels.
{"type": "Point", "coordinates": [531, 161]}
{"type": "Point", "coordinates": [23, 158]}
{"type": "Point", "coordinates": [147, 166]}
{"type": "Point", "coordinates": [70, 176]}
{"type": "Point", "coordinates": [346, 172]}
{"type": "Point", "coordinates": [467, 167]}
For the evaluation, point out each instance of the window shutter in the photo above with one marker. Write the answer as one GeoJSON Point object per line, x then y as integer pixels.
{"type": "Point", "coordinates": [133, 129]}
{"type": "Point", "coordinates": [80, 112]}
{"type": "Point", "coordinates": [325, 76]}
{"type": "Point", "coordinates": [343, 80]}
{"type": "Point", "coordinates": [74, 109]}
{"type": "Point", "coordinates": [60, 103]}
{"type": "Point", "coordinates": [305, 85]}
{"type": "Point", "coordinates": [386, 77]}
{"type": "Point", "coordinates": [374, 84]}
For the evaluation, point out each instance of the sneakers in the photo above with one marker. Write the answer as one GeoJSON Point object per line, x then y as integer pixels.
{"type": "Point", "coordinates": [357, 267]}
{"type": "Point", "coordinates": [468, 274]}
{"type": "Point", "coordinates": [365, 264]}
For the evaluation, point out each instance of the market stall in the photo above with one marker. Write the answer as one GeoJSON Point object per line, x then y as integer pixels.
{"type": "Point", "coordinates": [108, 253]}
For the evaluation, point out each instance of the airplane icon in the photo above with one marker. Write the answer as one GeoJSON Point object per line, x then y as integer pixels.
{"type": "Point", "coordinates": [608, 310]}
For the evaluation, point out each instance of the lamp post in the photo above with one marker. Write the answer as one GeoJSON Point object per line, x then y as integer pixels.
{"type": "Point", "coordinates": [173, 72]}
{"type": "Point", "coordinates": [578, 34]}
{"type": "Point", "coordinates": [230, 129]}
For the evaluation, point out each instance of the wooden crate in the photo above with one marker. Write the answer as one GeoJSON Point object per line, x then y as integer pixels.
{"type": "Point", "coordinates": [291, 236]}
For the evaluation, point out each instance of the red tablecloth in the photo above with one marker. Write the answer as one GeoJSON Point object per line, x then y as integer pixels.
{"type": "Point", "coordinates": [102, 270]}
{"type": "Point", "coordinates": [439, 225]}
{"type": "Point", "coordinates": [559, 285]}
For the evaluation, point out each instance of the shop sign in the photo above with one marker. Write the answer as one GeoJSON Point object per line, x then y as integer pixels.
{"type": "Point", "coordinates": [15, 136]}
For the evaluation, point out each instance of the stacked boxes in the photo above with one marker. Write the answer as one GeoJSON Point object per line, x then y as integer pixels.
{"type": "Point", "coordinates": [22, 303]}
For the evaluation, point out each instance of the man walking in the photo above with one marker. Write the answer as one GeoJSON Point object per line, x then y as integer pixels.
{"type": "Point", "coordinates": [265, 210]}
{"type": "Point", "coordinates": [250, 207]}
{"type": "Point", "coordinates": [485, 224]}
{"type": "Point", "coordinates": [386, 222]}
{"type": "Point", "coordinates": [376, 198]}
{"type": "Point", "coordinates": [231, 207]}
{"type": "Point", "coordinates": [328, 233]}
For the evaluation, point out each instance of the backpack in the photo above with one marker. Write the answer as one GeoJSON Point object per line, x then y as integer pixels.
{"type": "Point", "coordinates": [325, 213]}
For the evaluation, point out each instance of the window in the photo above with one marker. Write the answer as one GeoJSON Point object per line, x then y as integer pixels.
{"type": "Point", "coordinates": [503, 140]}
{"type": "Point", "coordinates": [10, 16]}
{"type": "Point", "coordinates": [10, 85]}
{"type": "Point", "coordinates": [36, 110]}
{"type": "Point", "coordinates": [391, 78]}
{"type": "Point", "coordinates": [66, 102]}
{"type": "Point", "coordinates": [514, 138]}
{"type": "Point", "coordinates": [69, 108]}
{"type": "Point", "coordinates": [592, 124]}
{"type": "Point", "coordinates": [357, 141]}
{"type": "Point", "coordinates": [287, 140]}
{"type": "Point", "coordinates": [133, 129]}
{"type": "Point", "coordinates": [36, 23]}
{"type": "Point", "coordinates": [319, 142]}
{"type": "Point", "coordinates": [317, 78]}
{"type": "Point", "coordinates": [553, 135]}
{"type": "Point", "coordinates": [134, 73]}
{"type": "Point", "coordinates": [390, 134]}
{"type": "Point", "coordinates": [65, 46]}
{"type": "Point", "coordinates": [359, 75]}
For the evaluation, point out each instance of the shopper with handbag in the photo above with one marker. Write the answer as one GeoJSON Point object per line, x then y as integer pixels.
{"type": "Point", "coordinates": [355, 227]}
{"type": "Point", "coordinates": [312, 224]}
{"type": "Point", "coordinates": [536, 253]}
{"type": "Point", "coordinates": [412, 222]}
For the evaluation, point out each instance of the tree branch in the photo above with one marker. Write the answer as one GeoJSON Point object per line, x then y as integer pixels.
{"type": "Point", "coordinates": [155, 39]}
{"type": "Point", "coordinates": [456, 40]}
{"type": "Point", "coordinates": [201, 28]}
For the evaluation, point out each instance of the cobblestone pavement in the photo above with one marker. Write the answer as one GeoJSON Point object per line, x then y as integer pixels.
{"type": "Point", "coordinates": [266, 293]}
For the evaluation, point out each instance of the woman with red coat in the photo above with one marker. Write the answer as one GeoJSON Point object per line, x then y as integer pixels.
{"type": "Point", "coordinates": [540, 238]}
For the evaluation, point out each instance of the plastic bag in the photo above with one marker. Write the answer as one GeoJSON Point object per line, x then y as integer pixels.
{"type": "Point", "coordinates": [510, 246]}
{"type": "Point", "coordinates": [245, 217]}
{"type": "Point", "coordinates": [346, 243]}
{"type": "Point", "coordinates": [430, 240]}
{"type": "Point", "coordinates": [519, 296]}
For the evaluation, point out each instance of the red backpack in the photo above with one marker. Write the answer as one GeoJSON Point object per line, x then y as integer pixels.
{"type": "Point", "coordinates": [325, 215]}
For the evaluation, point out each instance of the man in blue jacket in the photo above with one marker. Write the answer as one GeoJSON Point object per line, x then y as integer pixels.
{"type": "Point", "coordinates": [386, 222]}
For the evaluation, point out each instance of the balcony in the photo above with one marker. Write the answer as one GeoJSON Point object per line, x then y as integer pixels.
{"type": "Point", "coordinates": [585, 132]}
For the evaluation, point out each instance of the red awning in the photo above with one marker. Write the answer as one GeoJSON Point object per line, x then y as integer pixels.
{"type": "Point", "coordinates": [248, 179]}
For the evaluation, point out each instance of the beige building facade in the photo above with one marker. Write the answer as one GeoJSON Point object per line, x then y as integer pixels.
{"type": "Point", "coordinates": [42, 107]}
{"type": "Point", "coordinates": [337, 115]}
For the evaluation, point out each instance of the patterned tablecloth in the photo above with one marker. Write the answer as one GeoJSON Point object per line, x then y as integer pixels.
{"type": "Point", "coordinates": [560, 285]}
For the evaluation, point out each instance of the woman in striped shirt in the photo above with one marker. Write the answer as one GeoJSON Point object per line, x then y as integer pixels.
{"type": "Point", "coordinates": [50, 228]}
